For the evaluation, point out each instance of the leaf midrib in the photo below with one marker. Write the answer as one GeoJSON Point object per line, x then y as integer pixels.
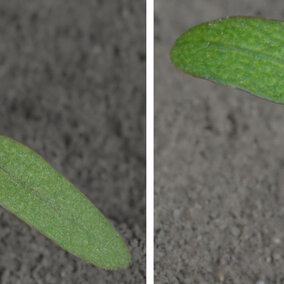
{"type": "Point", "coordinates": [46, 201]}
{"type": "Point", "coordinates": [240, 49]}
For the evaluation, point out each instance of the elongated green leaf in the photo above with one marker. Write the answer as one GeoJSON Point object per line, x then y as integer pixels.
{"type": "Point", "coordinates": [31, 189]}
{"type": "Point", "coordinates": [242, 52]}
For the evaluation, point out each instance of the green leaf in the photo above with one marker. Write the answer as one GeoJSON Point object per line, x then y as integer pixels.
{"type": "Point", "coordinates": [242, 52]}
{"type": "Point", "coordinates": [32, 190]}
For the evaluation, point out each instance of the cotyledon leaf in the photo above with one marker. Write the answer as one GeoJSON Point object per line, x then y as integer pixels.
{"type": "Point", "coordinates": [242, 52]}
{"type": "Point", "coordinates": [35, 192]}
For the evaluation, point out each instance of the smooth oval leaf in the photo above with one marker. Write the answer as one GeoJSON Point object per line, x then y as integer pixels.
{"type": "Point", "coordinates": [35, 192]}
{"type": "Point", "coordinates": [242, 52]}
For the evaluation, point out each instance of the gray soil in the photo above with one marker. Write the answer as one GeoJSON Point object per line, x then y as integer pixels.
{"type": "Point", "coordinates": [219, 195]}
{"type": "Point", "coordinates": [72, 87]}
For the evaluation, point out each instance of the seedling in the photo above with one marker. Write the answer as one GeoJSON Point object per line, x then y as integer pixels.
{"type": "Point", "coordinates": [35, 192]}
{"type": "Point", "coordinates": [241, 52]}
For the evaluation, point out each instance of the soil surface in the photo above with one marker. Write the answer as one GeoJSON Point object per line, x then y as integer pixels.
{"type": "Point", "coordinates": [219, 195]}
{"type": "Point", "coordinates": [72, 87]}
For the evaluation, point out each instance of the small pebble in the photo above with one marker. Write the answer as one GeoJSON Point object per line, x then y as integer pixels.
{"type": "Point", "coordinates": [276, 256]}
{"type": "Point", "coordinates": [221, 276]}
{"type": "Point", "coordinates": [236, 231]}
{"type": "Point", "coordinates": [276, 241]}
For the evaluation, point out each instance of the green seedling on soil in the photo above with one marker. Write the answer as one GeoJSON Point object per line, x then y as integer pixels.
{"type": "Point", "coordinates": [241, 52]}
{"type": "Point", "coordinates": [35, 192]}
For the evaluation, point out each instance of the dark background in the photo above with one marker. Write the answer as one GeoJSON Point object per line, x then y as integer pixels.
{"type": "Point", "coordinates": [219, 196]}
{"type": "Point", "coordinates": [72, 87]}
